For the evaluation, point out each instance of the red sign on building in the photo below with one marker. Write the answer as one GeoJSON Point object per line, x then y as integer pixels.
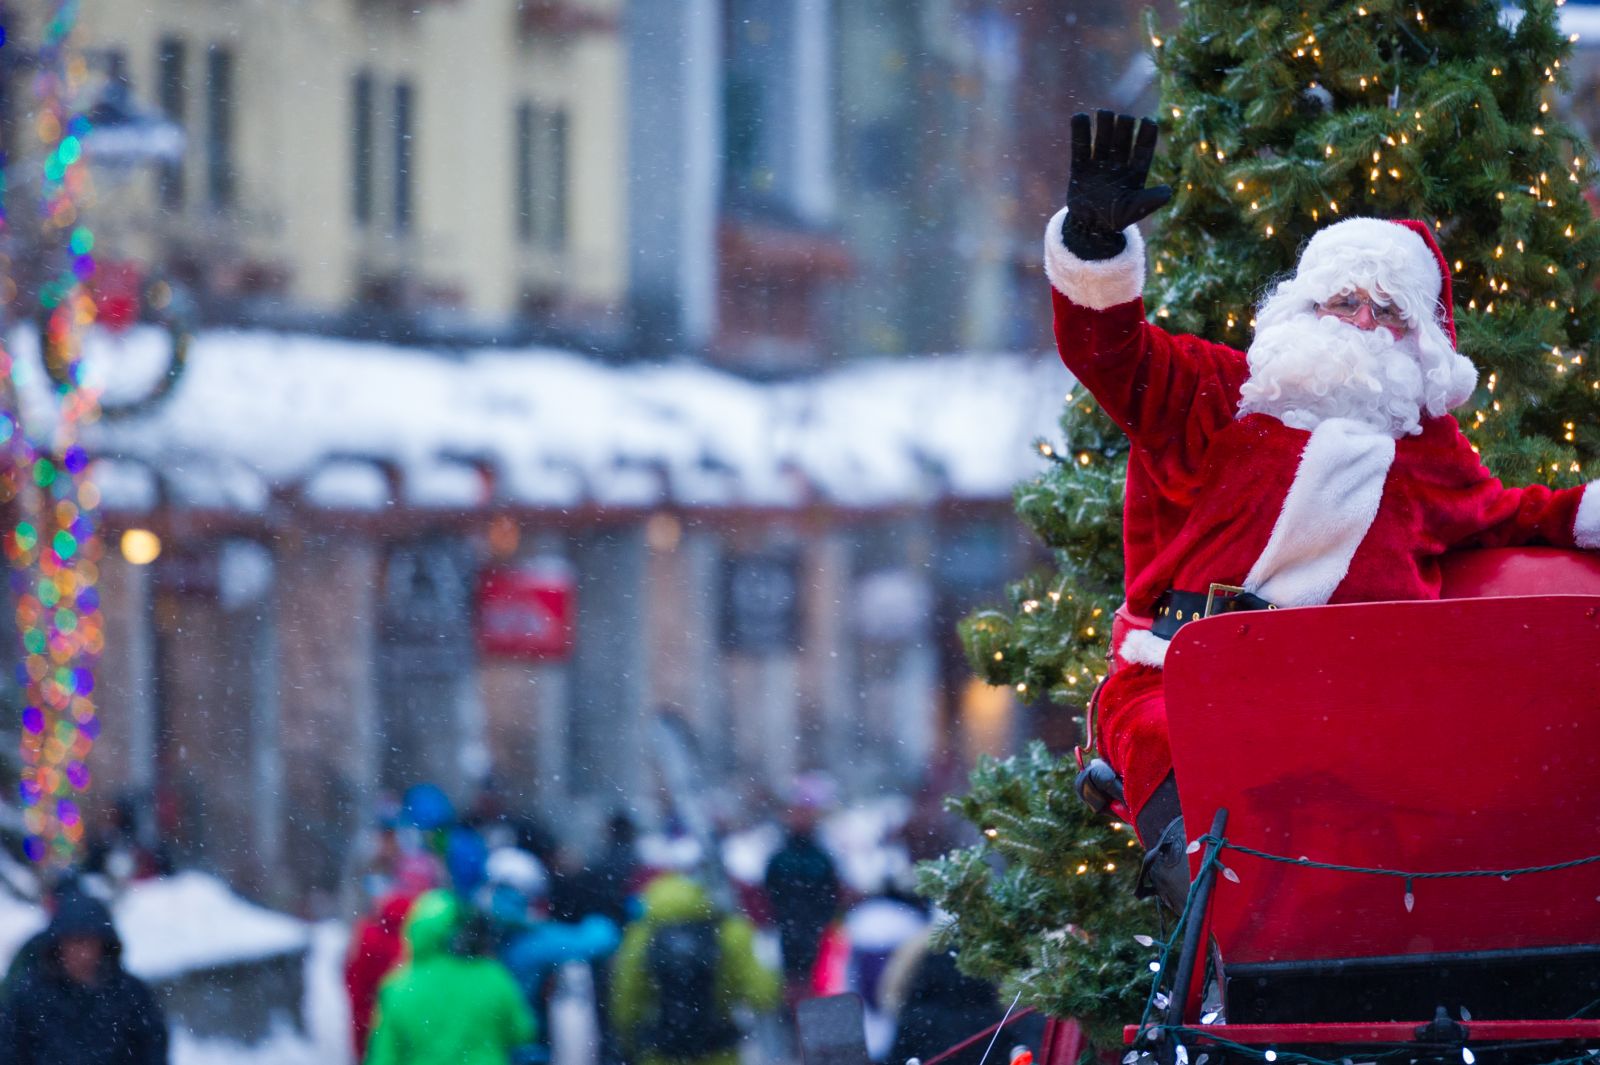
{"type": "Point", "coordinates": [526, 612]}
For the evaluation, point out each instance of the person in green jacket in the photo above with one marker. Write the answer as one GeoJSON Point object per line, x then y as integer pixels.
{"type": "Point", "coordinates": [447, 1004]}
{"type": "Point", "coordinates": [679, 974]}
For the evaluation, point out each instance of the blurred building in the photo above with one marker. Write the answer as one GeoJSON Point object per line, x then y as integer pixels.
{"type": "Point", "coordinates": [773, 186]}
{"type": "Point", "coordinates": [814, 181]}
{"type": "Point", "coordinates": [411, 168]}
{"type": "Point", "coordinates": [776, 185]}
{"type": "Point", "coordinates": [495, 573]}
{"type": "Point", "coordinates": [1581, 104]}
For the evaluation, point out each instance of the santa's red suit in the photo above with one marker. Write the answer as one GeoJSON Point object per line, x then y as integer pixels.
{"type": "Point", "coordinates": [1336, 510]}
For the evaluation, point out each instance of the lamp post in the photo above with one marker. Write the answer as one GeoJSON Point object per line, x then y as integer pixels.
{"type": "Point", "coordinates": [120, 136]}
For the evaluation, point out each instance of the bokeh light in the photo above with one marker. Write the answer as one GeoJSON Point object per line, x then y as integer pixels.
{"type": "Point", "coordinates": [141, 546]}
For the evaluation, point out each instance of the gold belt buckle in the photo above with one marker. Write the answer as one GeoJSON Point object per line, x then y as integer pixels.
{"type": "Point", "coordinates": [1213, 601]}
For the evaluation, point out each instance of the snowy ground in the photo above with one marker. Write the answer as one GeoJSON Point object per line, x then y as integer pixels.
{"type": "Point", "coordinates": [328, 1019]}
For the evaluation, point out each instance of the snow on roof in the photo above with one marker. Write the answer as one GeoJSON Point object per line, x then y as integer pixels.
{"type": "Point", "coordinates": [192, 921]}
{"type": "Point", "coordinates": [355, 425]}
{"type": "Point", "coordinates": [175, 925]}
{"type": "Point", "coordinates": [18, 922]}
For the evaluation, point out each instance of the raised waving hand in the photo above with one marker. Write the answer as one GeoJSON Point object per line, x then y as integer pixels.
{"type": "Point", "coordinates": [1106, 191]}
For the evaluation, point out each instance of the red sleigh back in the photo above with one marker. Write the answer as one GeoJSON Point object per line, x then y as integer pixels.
{"type": "Point", "coordinates": [1427, 736]}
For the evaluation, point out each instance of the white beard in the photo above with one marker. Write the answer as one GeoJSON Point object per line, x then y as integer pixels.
{"type": "Point", "coordinates": [1305, 370]}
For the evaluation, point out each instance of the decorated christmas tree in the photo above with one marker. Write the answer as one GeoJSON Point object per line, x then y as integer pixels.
{"type": "Point", "coordinates": [1279, 119]}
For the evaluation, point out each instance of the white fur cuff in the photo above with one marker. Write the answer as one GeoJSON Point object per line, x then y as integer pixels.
{"type": "Point", "coordinates": [1144, 648]}
{"type": "Point", "coordinates": [1586, 527]}
{"type": "Point", "coordinates": [1095, 284]}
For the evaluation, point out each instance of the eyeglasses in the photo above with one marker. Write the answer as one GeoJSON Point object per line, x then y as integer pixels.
{"type": "Point", "coordinates": [1349, 305]}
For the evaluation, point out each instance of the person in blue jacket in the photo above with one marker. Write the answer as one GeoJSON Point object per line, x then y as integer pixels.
{"type": "Point", "coordinates": [531, 945]}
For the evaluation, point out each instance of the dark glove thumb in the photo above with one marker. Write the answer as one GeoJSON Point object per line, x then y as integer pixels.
{"type": "Point", "coordinates": [1098, 785]}
{"type": "Point", "coordinates": [1145, 202]}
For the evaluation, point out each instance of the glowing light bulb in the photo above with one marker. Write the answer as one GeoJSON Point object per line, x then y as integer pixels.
{"type": "Point", "coordinates": [140, 546]}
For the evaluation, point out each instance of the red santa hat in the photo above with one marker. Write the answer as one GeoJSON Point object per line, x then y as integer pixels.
{"type": "Point", "coordinates": [1398, 260]}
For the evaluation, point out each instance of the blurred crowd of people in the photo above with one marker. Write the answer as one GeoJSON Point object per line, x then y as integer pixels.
{"type": "Point", "coordinates": [473, 918]}
{"type": "Point", "coordinates": [473, 921]}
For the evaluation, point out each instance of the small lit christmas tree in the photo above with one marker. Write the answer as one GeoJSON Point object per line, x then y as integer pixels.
{"type": "Point", "coordinates": [1279, 119]}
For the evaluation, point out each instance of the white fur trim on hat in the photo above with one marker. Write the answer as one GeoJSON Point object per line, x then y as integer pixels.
{"type": "Point", "coordinates": [1586, 527]}
{"type": "Point", "coordinates": [1094, 283]}
{"type": "Point", "coordinates": [1141, 647]}
{"type": "Point", "coordinates": [1406, 264]}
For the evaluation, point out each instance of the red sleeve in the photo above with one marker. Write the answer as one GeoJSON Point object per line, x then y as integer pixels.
{"type": "Point", "coordinates": [1164, 391]}
{"type": "Point", "coordinates": [1479, 511]}
{"type": "Point", "coordinates": [1168, 393]}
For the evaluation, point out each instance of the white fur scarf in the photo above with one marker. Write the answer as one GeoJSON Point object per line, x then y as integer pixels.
{"type": "Point", "coordinates": [1331, 504]}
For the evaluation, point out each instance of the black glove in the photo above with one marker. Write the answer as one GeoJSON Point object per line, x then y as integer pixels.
{"type": "Point", "coordinates": [1106, 193]}
{"type": "Point", "coordinates": [1097, 783]}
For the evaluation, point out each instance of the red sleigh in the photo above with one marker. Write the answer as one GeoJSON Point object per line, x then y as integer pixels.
{"type": "Point", "coordinates": [1420, 738]}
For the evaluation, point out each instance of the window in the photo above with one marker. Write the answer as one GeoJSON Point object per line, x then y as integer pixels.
{"type": "Point", "coordinates": [403, 103]}
{"type": "Point", "coordinates": [220, 173]}
{"type": "Point", "coordinates": [752, 92]}
{"type": "Point", "coordinates": [524, 164]}
{"type": "Point", "coordinates": [743, 166]}
{"type": "Point", "coordinates": [382, 151]}
{"type": "Point", "coordinates": [362, 126]}
{"type": "Point", "coordinates": [171, 97]}
{"type": "Point", "coordinates": [541, 186]}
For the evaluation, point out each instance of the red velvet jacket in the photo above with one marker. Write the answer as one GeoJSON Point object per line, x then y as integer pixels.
{"type": "Point", "coordinates": [1205, 487]}
{"type": "Point", "coordinates": [1342, 514]}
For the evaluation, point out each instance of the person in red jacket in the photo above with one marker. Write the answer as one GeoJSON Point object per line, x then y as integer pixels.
{"type": "Point", "coordinates": [1319, 466]}
{"type": "Point", "coordinates": [376, 947]}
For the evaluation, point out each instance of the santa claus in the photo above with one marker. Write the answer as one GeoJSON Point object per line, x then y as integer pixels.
{"type": "Point", "coordinates": [1320, 466]}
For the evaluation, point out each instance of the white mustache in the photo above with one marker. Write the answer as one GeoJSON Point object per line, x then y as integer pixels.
{"type": "Point", "coordinates": [1305, 369]}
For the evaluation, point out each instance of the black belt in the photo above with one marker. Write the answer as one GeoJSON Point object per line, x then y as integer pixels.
{"type": "Point", "coordinates": [1176, 609]}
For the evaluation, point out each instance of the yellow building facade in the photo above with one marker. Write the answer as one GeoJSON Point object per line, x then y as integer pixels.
{"type": "Point", "coordinates": [463, 158]}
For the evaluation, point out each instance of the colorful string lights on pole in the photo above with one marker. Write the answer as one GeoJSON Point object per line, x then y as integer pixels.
{"type": "Point", "coordinates": [53, 549]}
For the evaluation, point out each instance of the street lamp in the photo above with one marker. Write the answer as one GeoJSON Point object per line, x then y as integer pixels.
{"type": "Point", "coordinates": [122, 134]}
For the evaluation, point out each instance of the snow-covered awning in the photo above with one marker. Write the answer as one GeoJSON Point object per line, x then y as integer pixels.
{"type": "Point", "coordinates": [176, 925]}
{"type": "Point", "coordinates": [350, 425]}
